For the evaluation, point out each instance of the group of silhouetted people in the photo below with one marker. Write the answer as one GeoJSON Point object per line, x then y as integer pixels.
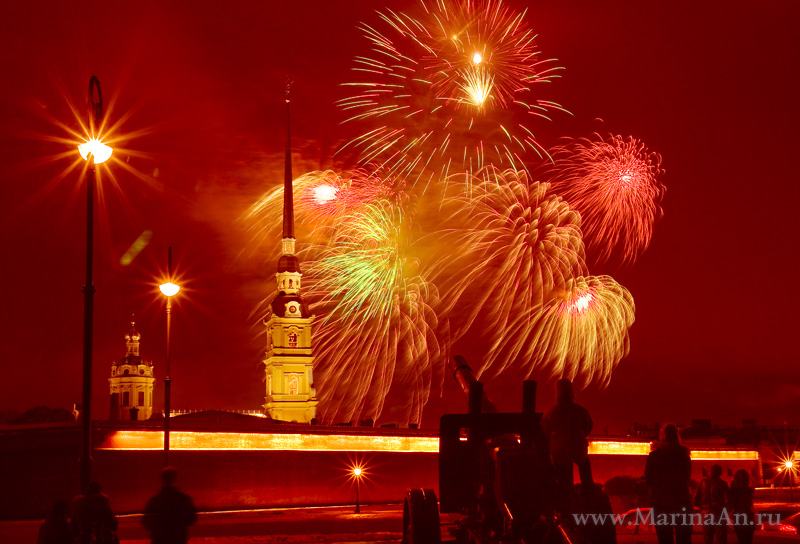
{"type": "Point", "coordinates": [167, 516]}
{"type": "Point", "coordinates": [668, 471]}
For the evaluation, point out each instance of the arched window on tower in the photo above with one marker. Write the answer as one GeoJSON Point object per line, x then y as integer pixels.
{"type": "Point", "coordinates": [126, 398]}
{"type": "Point", "coordinates": [294, 385]}
{"type": "Point", "coordinates": [292, 339]}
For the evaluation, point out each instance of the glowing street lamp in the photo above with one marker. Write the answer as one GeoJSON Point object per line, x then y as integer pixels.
{"type": "Point", "coordinates": [169, 290]}
{"type": "Point", "coordinates": [789, 464]}
{"type": "Point", "coordinates": [357, 472]}
{"type": "Point", "coordinates": [99, 153]}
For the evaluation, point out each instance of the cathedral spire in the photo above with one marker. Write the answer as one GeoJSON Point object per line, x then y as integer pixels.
{"type": "Point", "coordinates": [289, 364]}
{"type": "Point", "coordinates": [288, 201]}
{"type": "Point", "coordinates": [289, 272]}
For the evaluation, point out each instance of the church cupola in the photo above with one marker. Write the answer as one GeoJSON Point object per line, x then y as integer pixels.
{"type": "Point", "coordinates": [289, 364]}
{"type": "Point", "coordinates": [132, 338]}
{"type": "Point", "coordinates": [131, 382]}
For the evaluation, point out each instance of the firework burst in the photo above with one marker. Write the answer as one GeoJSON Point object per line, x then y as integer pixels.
{"type": "Point", "coordinates": [380, 341]}
{"type": "Point", "coordinates": [322, 199]}
{"type": "Point", "coordinates": [450, 90]}
{"type": "Point", "coordinates": [513, 245]}
{"type": "Point", "coordinates": [583, 331]}
{"type": "Point", "coordinates": [614, 185]}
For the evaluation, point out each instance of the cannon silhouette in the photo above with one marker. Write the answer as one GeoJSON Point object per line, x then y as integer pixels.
{"type": "Point", "coordinates": [495, 470]}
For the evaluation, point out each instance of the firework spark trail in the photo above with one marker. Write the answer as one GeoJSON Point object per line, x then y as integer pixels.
{"type": "Point", "coordinates": [512, 245]}
{"type": "Point", "coordinates": [322, 199]}
{"type": "Point", "coordinates": [614, 185]}
{"type": "Point", "coordinates": [447, 89]}
{"type": "Point", "coordinates": [583, 332]}
{"type": "Point", "coordinates": [379, 336]}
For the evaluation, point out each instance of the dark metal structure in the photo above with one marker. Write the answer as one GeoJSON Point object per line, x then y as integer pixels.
{"type": "Point", "coordinates": [495, 470]}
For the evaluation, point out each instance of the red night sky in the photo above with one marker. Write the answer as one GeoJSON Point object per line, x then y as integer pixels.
{"type": "Point", "coordinates": [197, 89]}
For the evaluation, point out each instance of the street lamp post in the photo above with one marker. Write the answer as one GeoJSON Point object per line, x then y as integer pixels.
{"type": "Point", "coordinates": [169, 290]}
{"type": "Point", "coordinates": [357, 475]}
{"type": "Point", "coordinates": [99, 154]}
{"type": "Point", "coordinates": [790, 469]}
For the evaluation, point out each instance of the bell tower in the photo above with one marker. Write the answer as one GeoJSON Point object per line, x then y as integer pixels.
{"type": "Point", "coordinates": [289, 364]}
{"type": "Point", "coordinates": [131, 382]}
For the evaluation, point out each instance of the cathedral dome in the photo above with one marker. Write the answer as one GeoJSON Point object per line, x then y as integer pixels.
{"type": "Point", "coordinates": [288, 263]}
{"type": "Point", "coordinates": [132, 335]}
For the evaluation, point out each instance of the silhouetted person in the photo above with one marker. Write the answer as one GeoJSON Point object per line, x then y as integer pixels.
{"type": "Point", "coordinates": [56, 528]}
{"type": "Point", "coordinates": [169, 513]}
{"type": "Point", "coordinates": [711, 497]}
{"type": "Point", "coordinates": [567, 426]}
{"type": "Point", "coordinates": [667, 472]}
{"type": "Point", "coordinates": [92, 519]}
{"type": "Point", "coordinates": [742, 511]}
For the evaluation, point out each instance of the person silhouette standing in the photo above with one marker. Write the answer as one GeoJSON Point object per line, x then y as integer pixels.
{"type": "Point", "coordinates": [667, 473]}
{"type": "Point", "coordinates": [711, 497]}
{"type": "Point", "coordinates": [93, 522]}
{"type": "Point", "coordinates": [169, 514]}
{"type": "Point", "coordinates": [56, 529]}
{"type": "Point", "coordinates": [740, 500]}
{"type": "Point", "coordinates": [567, 426]}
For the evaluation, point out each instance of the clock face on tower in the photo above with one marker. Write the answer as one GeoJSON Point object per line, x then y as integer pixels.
{"type": "Point", "coordinates": [293, 309]}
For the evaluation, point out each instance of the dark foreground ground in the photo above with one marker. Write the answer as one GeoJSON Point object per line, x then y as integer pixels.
{"type": "Point", "coordinates": [329, 525]}
{"type": "Point", "coordinates": [381, 523]}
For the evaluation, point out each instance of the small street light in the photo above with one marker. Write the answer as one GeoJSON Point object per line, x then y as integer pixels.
{"type": "Point", "coordinates": [357, 472]}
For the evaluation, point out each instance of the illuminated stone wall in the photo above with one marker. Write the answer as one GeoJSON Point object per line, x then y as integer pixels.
{"type": "Point", "coordinates": [235, 470]}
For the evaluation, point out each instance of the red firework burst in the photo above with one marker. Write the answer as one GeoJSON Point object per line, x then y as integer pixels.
{"type": "Point", "coordinates": [614, 185]}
